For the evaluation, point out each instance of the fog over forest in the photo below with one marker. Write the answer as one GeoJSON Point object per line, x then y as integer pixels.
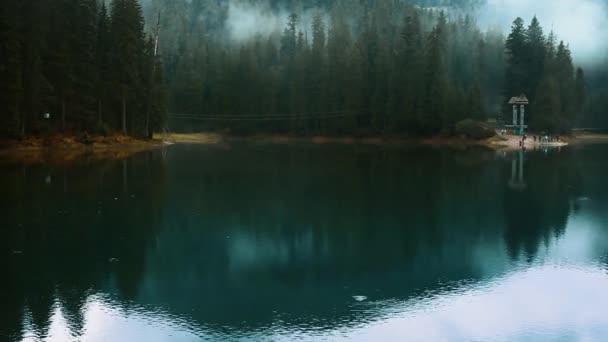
{"type": "Point", "coordinates": [304, 67]}
{"type": "Point", "coordinates": [582, 23]}
{"type": "Point", "coordinates": [471, 52]}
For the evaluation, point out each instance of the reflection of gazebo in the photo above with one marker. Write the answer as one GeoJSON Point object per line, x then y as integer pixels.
{"type": "Point", "coordinates": [517, 181]}
{"type": "Point", "coordinates": [519, 103]}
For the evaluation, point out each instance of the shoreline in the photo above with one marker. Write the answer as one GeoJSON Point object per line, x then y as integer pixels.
{"type": "Point", "coordinates": [120, 146]}
{"type": "Point", "coordinates": [65, 148]}
{"type": "Point", "coordinates": [507, 142]}
{"type": "Point", "coordinates": [496, 143]}
{"type": "Point", "coordinates": [73, 143]}
{"type": "Point", "coordinates": [513, 142]}
{"type": "Point", "coordinates": [590, 138]}
{"type": "Point", "coordinates": [207, 138]}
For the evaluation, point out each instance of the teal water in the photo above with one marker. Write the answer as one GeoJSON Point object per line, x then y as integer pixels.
{"type": "Point", "coordinates": [307, 243]}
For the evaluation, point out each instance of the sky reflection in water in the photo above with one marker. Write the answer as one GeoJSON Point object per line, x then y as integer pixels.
{"type": "Point", "coordinates": [392, 250]}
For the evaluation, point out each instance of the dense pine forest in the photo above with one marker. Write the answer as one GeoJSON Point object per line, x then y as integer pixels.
{"type": "Point", "coordinates": [301, 67]}
{"type": "Point", "coordinates": [78, 65]}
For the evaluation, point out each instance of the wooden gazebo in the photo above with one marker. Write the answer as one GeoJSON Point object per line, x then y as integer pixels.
{"type": "Point", "coordinates": [519, 112]}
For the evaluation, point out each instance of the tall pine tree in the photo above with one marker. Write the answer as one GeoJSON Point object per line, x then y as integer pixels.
{"type": "Point", "coordinates": [127, 32]}
{"type": "Point", "coordinates": [11, 90]}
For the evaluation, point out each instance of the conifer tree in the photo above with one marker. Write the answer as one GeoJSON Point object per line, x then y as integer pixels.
{"type": "Point", "coordinates": [59, 71]}
{"type": "Point", "coordinates": [405, 89]}
{"type": "Point", "coordinates": [396, 67]}
{"type": "Point", "coordinates": [535, 53]}
{"type": "Point", "coordinates": [317, 68]}
{"type": "Point", "coordinates": [580, 92]}
{"type": "Point", "coordinates": [547, 106]}
{"type": "Point", "coordinates": [435, 79]}
{"type": "Point", "coordinates": [83, 49]}
{"type": "Point", "coordinates": [102, 60]}
{"type": "Point", "coordinates": [11, 91]}
{"type": "Point", "coordinates": [516, 68]}
{"type": "Point", "coordinates": [127, 32]}
{"type": "Point", "coordinates": [33, 19]}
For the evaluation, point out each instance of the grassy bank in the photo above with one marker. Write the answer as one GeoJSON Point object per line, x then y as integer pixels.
{"type": "Point", "coordinates": [215, 138]}
{"type": "Point", "coordinates": [71, 142]}
{"type": "Point", "coordinates": [508, 142]}
{"type": "Point", "coordinates": [591, 138]}
{"type": "Point", "coordinates": [62, 148]}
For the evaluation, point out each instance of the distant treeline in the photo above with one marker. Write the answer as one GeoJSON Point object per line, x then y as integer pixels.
{"type": "Point", "coordinates": [368, 67]}
{"type": "Point", "coordinates": [91, 68]}
{"type": "Point", "coordinates": [363, 66]}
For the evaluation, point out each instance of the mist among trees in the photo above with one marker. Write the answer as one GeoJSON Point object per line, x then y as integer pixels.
{"type": "Point", "coordinates": [300, 67]}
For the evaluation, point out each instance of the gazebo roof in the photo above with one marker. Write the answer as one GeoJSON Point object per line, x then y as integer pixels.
{"type": "Point", "coordinates": [522, 99]}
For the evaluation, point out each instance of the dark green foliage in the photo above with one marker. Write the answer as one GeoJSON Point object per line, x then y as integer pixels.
{"type": "Point", "coordinates": [405, 91]}
{"type": "Point", "coordinates": [473, 105]}
{"type": "Point", "coordinates": [564, 72]}
{"type": "Point", "coordinates": [535, 57]}
{"type": "Point", "coordinates": [127, 34]}
{"type": "Point", "coordinates": [337, 67]}
{"type": "Point", "coordinates": [368, 67]}
{"type": "Point", "coordinates": [545, 73]}
{"type": "Point", "coordinates": [71, 59]}
{"type": "Point", "coordinates": [11, 89]}
{"type": "Point", "coordinates": [580, 91]}
{"type": "Point", "coordinates": [156, 101]}
{"type": "Point", "coordinates": [32, 19]}
{"type": "Point", "coordinates": [102, 61]}
{"type": "Point", "coordinates": [436, 87]}
{"type": "Point", "coordinates": [547, 106]}
{"type": "Point", "coordinates": [516, 69]}
{"type": "Point", "coordinates": [594, 85]}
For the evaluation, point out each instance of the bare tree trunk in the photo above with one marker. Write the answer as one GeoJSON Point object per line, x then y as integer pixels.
{"type": "Point", "coordinates": [147, 128]}
{"type": "Point", "coordinates": [100, 111]}
{"type": "Point", "coordinates": [151, 83]}
{"type": "Point", "coordinates": [63, 114]}
{"type": "Point", "coordinates": [22, 123]}
{"type": "Point", "coordinates": [124, 110]}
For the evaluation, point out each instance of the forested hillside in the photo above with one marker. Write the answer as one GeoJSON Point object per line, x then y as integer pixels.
{"type": "Point", "coordinates": [297, 66]}
{"type": "Point", "coordinates": [88, 65]}
{"type": "Point", "coordinates": [359, 66]}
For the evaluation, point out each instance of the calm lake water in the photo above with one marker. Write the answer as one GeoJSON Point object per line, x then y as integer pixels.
{"type": "Point", "coordinates": [307, 243]}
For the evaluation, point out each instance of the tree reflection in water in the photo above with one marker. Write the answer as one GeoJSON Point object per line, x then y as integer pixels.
{"type": "Point", "coordinates": [241, 238]}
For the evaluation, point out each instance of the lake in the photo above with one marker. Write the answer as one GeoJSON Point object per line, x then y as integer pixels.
{"type": "Point", "coordinates": [304, 242]}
